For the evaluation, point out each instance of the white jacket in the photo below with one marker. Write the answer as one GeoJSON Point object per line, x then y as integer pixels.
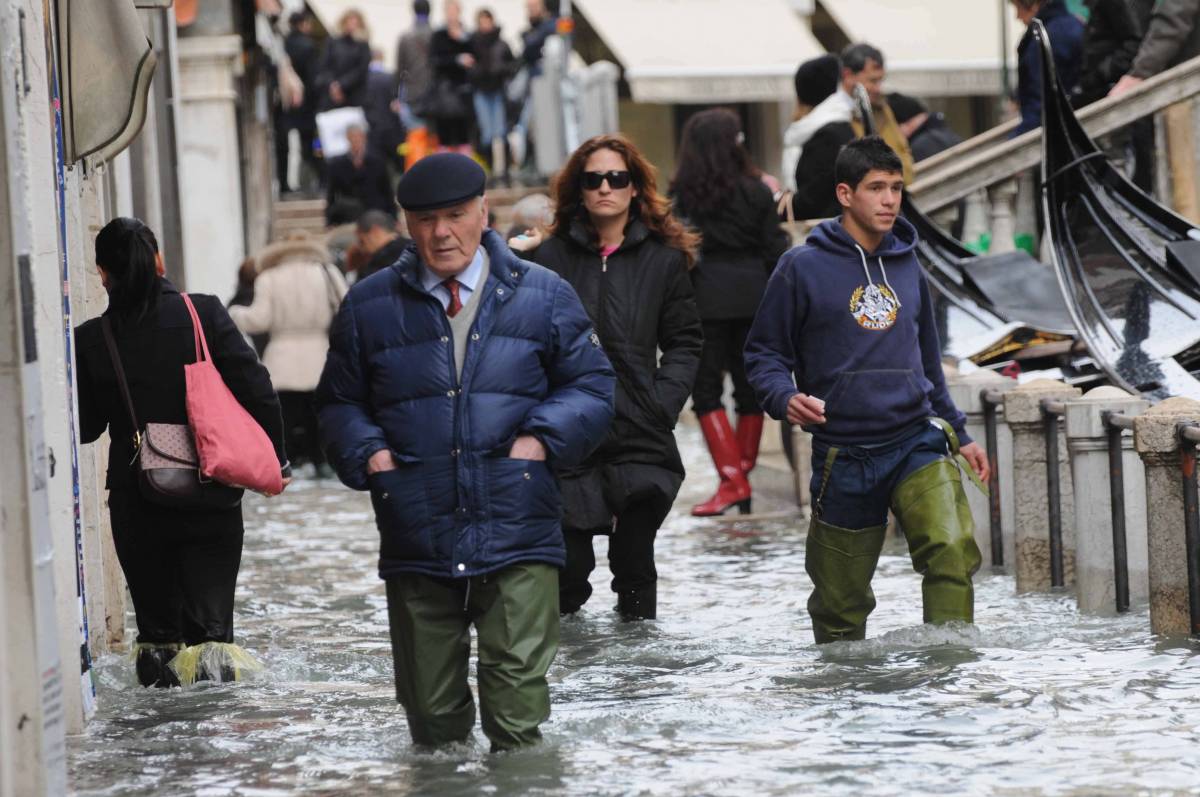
{"type": "Point", "coordinates": [833, 108]}
{"type": "Point", "coordinates": [294, 301]}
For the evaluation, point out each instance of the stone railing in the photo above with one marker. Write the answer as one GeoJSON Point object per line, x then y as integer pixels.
{"type": "Point", "coordinates": [1095, 494]}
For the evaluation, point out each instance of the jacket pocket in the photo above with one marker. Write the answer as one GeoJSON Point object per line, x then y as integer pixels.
{"type": "Point", "coordinates": [401, 504]}
{"type": "Point", "coordinates": [875, 399]}
{"type": "Point", "coordinates": [522, 491]}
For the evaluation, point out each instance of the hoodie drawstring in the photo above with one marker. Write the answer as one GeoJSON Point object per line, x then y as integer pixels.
{"type": "Point", "coordinates": [883, 270]}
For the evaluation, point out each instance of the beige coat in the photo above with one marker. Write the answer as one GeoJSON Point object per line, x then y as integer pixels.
{"type": "Point", "coordinates": [295, 299]}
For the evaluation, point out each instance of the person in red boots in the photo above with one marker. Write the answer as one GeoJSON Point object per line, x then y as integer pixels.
{"type": "Point", "coordinates": [615, 240]}
{"type": "Point", "coordinates": [719, 192]}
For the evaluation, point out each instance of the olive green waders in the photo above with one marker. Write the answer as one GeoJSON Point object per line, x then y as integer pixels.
{"type": "Point", "coordinates": [931, 507]}
{"type": "Point", "coordinates": [515, 613]}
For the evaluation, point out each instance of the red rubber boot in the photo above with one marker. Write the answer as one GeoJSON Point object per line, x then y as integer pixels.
{"type": "Point", "coordinates": [734, 489]}
{"type": "Point", "coordinates": [749, 433]}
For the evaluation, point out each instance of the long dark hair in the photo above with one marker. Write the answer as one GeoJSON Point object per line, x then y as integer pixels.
{"type": "Point", "coordinates": [649, 206]}
{"type": "Point", "coordinates": [128, 252]}
{"type": "Point", "coordinates": [712, 161]}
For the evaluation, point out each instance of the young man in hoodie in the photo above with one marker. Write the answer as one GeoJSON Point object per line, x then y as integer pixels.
{"type": "Point", "coordinates": [845, 344]}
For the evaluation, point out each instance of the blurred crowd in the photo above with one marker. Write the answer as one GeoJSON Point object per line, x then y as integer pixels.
{"type": "Point", "coordinates": [457, 88]}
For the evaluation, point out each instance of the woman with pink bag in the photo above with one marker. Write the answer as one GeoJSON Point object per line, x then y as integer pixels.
{"type": "Point", "coordinates": [179, 557]}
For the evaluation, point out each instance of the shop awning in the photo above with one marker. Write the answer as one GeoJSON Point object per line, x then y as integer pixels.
{"type": "Point", "coordinates": [934, 48]}
{"type": "Point", "coordinates": [105, 66]}
{"type": "Point", "coordinates": [704, 51]}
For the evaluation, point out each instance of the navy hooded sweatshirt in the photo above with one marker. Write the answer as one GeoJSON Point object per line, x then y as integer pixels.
{"type": "Point", "coordinates": [856, 329]}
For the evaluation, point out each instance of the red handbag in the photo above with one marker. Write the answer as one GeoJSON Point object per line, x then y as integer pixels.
{"type": "Point", "coordinates": [232, 447]}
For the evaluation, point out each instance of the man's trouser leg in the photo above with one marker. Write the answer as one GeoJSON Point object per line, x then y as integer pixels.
{"type": "Point", "coordinates": [574, 588]}
{"type": "Point", "coordinates": [431, 649]}
{"type": "Point", "coordinates": [933, 512]}
{"type": "Point", "coordinates": [515, 612]}
{"type": "Point", "coordinates": [850, 503]}
{"type": "Point", "coordinates": [840, 563]}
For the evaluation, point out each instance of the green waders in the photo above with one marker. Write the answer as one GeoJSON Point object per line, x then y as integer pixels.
{"type": "Point", "coordinates": [515, 613]}
{"type": "Point", "coordinates": [932, 509]}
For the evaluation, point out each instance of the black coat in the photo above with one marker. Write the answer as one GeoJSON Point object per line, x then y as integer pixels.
{"type": "Point", "coordinates": [1110, 43]}
{"type": "Point", "coordinates": [932, 137]}
{"type": "Point", "coordinates": [353, 191]}
{"type": "Point", "coordinates": [385, 133]}
{"type": "Point", "coordinates": [305, 58]}
{"type": "Point", "coordinates": [640, 299]}
{"type": "Point", "coordinates": [449, 93]}
{"type": "Point", "coordinates": [815, 197]}
{"type": "Point", "coordinates": [153, 353]}
{"type": "Point", "coordinates": [346, 60]}
{"type": "Point", "coordinates": [741, 244]}
{"type": "Point", "coordinates": [493, 62]}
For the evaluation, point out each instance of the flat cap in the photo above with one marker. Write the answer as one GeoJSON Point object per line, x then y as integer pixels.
{"type": "Point", "coordinates": [440, 181]}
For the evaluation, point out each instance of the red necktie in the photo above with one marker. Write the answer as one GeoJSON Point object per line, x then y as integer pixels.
{"type": "Point", "coordinates": [455, 302]}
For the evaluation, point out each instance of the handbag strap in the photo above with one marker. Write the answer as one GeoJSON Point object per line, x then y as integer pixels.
{"type": "Point", "coordinates": [335, 301]}
{"type": "Point", "coordinates": [111, 343]}
{"type": "Point", "coordinates": [197, 330]}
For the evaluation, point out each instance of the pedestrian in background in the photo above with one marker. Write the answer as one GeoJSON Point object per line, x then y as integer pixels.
{"type": "Point", "coordinates": [490, 75]}
{"type": "Point", "coordinates": [379, 241]}
{"type": "Point", "coordinates": [720, 193]}
{"type": "Point", "coordinates": [1066, 42]}
{"type": "Point", "coordinates": [1111, 39]}
{"type": "Point", "coordinates": [615, 240]}
{"type": "Point", "coordinates": [458, 381]}
{"type": "Point", "coordinates": [1172, 37]}
{"type": "Point", "coordinates": [863, 65]}
{"type": "Point", "coordinates": [815, 82]}
{"type": "Point", "coordinates": [358, 182]}
{"type": "Point", "coordinates": [304, 57]}
{"type": "Point", "coordinates": [815, 139]}
{"type": "Point", "coordinates": [296, 296]}
{"type": "Point", "coordinates": [926, 131]}
{"type": "Point", "coordinates": [344, 65]}
{"type": "Point", "coordinates": [542, 25]}
{"type": "Point", "coordinates": [413, 74]}
{"type": "Point", "coordinates": [449, 102]}
{"type": "Point", "coordinates": [181, 565]}
{"type": "Point", "coordinates": [381, 108]}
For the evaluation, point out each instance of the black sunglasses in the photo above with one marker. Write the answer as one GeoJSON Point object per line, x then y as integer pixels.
{"type": "Point", "coordinates": [616, 180]}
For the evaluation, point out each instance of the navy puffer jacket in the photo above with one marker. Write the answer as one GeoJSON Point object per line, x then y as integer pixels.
{"type": "Point", "coordinates": [457, 505]}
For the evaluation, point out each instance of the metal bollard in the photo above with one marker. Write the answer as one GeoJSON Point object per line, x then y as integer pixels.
{"type": "Point", "coordinates": [1169, 480]}
{"type": "Point", "coordinates": [1052, 412]}
{"type": "Point", "coordinates": [1115, 424]}
{"type": "Point", "coordinates": [1189, 436]}
{"type": "Point", "coordinates": [992, 399]}
{"type": "Point", "coordinates": [1025, 416]}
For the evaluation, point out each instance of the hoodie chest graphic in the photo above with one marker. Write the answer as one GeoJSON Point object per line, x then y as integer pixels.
{"type": "Point", "coordinates": [874, 307]}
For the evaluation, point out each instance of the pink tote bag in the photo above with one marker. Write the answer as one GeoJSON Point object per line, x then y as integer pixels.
{"type": "Point", "coordinates": [232, 447]}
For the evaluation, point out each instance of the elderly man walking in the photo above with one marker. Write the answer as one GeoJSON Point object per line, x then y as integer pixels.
{"type": "Point", "coordinates": [458, 379]}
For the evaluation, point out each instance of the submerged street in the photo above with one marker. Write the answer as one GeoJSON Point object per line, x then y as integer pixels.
{"type": "Point", "coordinates": [725, 694]}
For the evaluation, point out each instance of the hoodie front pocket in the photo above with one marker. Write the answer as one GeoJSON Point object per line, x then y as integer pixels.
{"type": "Point", "coordinates": [877, 399]}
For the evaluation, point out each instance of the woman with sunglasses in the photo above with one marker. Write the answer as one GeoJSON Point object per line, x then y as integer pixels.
{"type": "Point", "coordinates": [615, 240]}
{"type": "Point", "coordinates": [721, 193]}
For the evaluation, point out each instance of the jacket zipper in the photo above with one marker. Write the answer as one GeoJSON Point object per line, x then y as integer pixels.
{"type": "Point", "coordinates": [602, 324]}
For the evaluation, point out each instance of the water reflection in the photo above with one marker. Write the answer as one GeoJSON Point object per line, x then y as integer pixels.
{"type": "Point", "coordinates": [726, 694]}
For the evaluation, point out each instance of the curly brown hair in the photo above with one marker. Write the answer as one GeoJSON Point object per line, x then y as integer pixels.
{"type": "Point", "coordinates": [651, 207]}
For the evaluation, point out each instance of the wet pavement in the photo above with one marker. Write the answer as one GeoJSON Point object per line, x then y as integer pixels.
{"type": "Point", "coordinates": [725, 694]}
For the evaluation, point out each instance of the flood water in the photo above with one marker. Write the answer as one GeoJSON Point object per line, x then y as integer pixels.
{"type": "Point", "coordinates": [725, 694]}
